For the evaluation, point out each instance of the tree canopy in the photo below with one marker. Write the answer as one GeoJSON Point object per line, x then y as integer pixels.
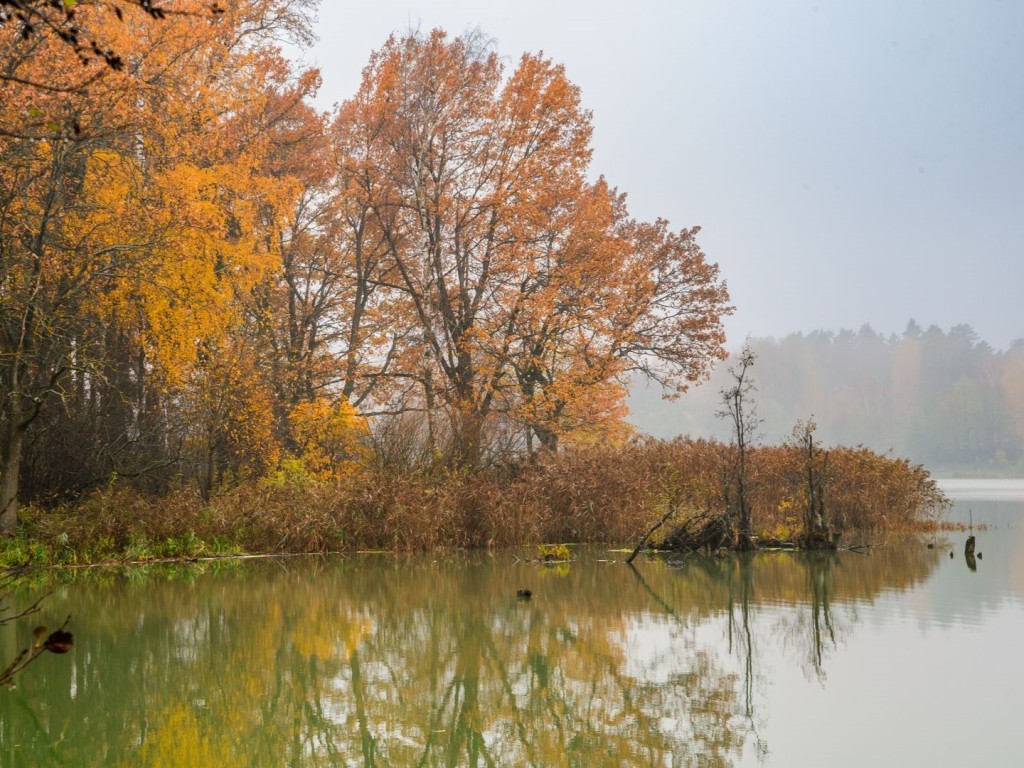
{"type": "Point", "coordinates": [203, 277]}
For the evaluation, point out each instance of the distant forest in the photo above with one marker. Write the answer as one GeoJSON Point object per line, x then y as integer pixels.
{"type": "Point", "coordinates": [945, 399]}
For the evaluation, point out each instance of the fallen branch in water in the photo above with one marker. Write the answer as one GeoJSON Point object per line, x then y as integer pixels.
{"type": "Point", "coordinates": [709, 531]}
{"type": "Point", "coordinates": [664, 519]}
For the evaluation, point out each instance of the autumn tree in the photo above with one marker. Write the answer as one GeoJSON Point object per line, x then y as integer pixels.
{"type": "Point", "coordinates": [68, 22]}
{"type": "Point", "coordinates": [210, 277]}
{"type": "Point", "coordinates": [613, 297]}
{"type": "Point", "coordinates": [56, 251]}
{"type": "Point", "coordinates": [527, 290]}
{"type": "Point", "coordinates": [225, 210]}
{"type": "Point", "coordinates": [319, 310]}
{"type": "Point", "coordinates": [42, 41]}
{"type": "Point", "coordinates": [313, 315]}
{"type": "Point", "coordinates": [125, 247]}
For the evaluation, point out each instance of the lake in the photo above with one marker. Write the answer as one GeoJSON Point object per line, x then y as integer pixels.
{"type": "Point", "coordinates": [904, 656]}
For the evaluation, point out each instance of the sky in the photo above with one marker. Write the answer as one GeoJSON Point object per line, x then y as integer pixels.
{"type": "Point", "coordinates": [848, 162]}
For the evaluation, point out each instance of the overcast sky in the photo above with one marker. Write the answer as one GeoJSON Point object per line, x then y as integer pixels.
{"type": "Point", "coordinates": [849, 162]}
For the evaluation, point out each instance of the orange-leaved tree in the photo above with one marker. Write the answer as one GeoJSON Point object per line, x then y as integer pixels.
{"type": "Point", "coordinates": [521, 289]}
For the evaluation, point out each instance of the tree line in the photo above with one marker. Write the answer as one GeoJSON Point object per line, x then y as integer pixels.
{"type": "Point", "coordinates": [944, 398]}
{"type": "Point", "coordinates": [204, 279]}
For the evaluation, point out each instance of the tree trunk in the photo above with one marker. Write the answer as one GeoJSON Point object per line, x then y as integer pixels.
{"type": "Point", "coordinates": [548, 438]}
{"type": "Point", "coordinates": [10, 470]}
{"type": "Point", "coordinates": [467, 437]}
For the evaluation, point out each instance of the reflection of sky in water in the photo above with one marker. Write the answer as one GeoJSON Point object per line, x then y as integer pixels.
{"type": "Point", "coordinates": [898, 693]}
{"type": "Point", "coordinates": [906, 679]}
{"type": "Point", "coordinates": [929, 676]}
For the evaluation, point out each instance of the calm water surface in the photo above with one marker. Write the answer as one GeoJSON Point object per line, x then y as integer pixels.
{"type": "Point", "coordinates": [903, 657]}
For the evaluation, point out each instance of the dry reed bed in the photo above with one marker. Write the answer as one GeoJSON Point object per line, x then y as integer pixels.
{"type": "Point", "coordinates": [595, 495]}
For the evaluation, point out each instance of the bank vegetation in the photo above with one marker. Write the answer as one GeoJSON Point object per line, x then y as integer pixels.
{"type": "Point", "coordinates": [596, 494]}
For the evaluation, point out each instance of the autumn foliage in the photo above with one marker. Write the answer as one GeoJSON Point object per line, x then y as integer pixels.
{"type": "Point", "coordinates": [516, 290]}
{"type": "Point", "coordinates": [205, 281]}
{"type": "Point", "coordinates": [226, 316]}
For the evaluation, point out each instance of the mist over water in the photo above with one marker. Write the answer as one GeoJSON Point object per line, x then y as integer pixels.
{"type": "Point", "coordinates": [946, 399]}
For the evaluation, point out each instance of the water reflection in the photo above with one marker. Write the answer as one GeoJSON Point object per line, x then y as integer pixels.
{"type": "Point", "coordinates": [385, 662]}
{"type": "Point", "coordinates": [971, 560]}
{"type": "Point", "coordinates": [805, 603]}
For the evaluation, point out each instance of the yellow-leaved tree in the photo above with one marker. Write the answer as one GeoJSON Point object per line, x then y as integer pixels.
{"type": "Point", "coordinates": [328, 437]}
{"type": "Point", "coordinates": [130, 222]}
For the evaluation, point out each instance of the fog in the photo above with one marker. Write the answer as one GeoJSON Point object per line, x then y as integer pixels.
{"type": "Point", "coordinates": [849, 163]}
{"type": "Point", "coordinates": [944, 398]}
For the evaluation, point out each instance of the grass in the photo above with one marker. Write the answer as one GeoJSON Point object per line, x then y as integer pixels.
{"type": "Point", "coordinates": [553, 553]}
{"type": "Point", "coordinates": [40, 550]}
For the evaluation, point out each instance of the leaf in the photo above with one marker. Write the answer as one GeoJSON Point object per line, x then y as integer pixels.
{"type": "Point", "coordinates": [38, 632]}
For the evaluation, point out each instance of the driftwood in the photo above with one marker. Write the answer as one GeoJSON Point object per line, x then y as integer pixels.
{"type": "Point", "coordinates": [643, 540]}
{"type": "Point", "coordinates": [713, 531]}
{"type": "Point", "coordinates": [708, 531]}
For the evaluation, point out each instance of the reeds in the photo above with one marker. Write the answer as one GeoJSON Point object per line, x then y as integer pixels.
{"type": "Point", "coordinates": [589, 495]}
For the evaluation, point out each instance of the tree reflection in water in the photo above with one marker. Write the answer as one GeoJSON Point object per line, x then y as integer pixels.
{"type": "Point", "coordinates": [396, 663]}
{"type": "Point", "coordinates": [792, 598]}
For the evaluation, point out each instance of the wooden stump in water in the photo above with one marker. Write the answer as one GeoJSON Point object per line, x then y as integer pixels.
{"type": "Point", "coordinates": [972, 564]}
